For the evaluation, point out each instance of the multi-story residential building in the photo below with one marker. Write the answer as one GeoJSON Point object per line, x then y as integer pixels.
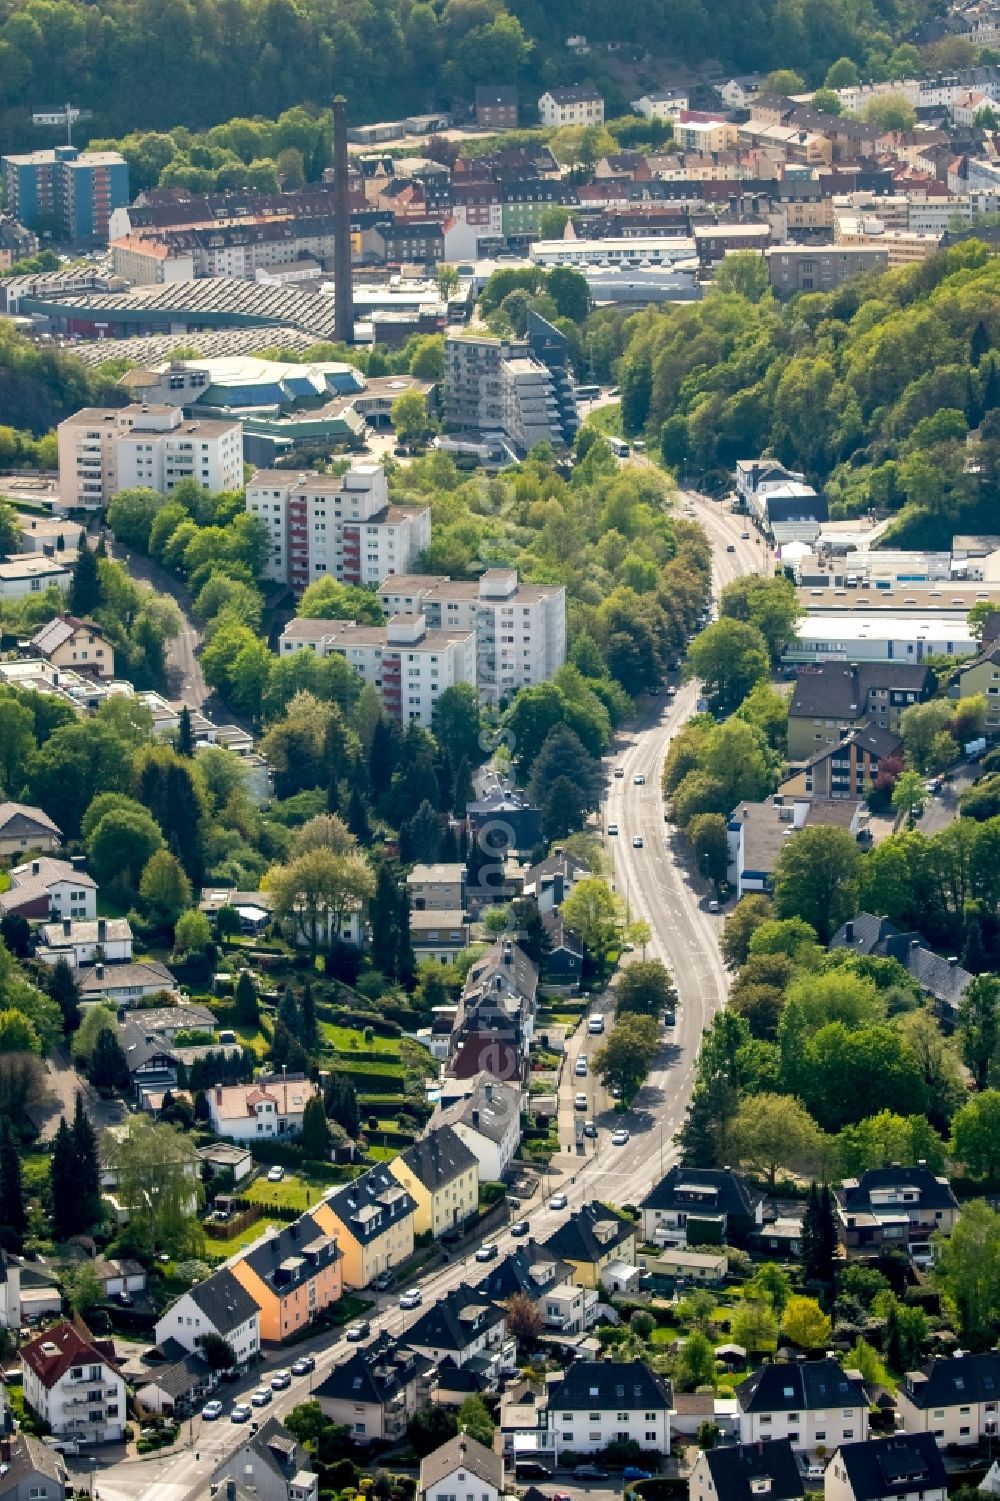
{"type": "Point", "coordinates": [73, 1383]}
{"type": "Point", "coordinates": [409, 664]}
{"type": "Point", "coordinates": [524, 1423]}
{"type": "Point", "coordinates": [372, 1219]}
{"type": "Point", "coordinates": [77, 942]}
{"type": "Point", "coordinates": [661, 104]}
{"type": "Point", "coordinates": [272, 1464]}
{"type": "Point", "coordinates": [579, 104]}
{"type": "Point", "coordinates": [591, 1241]}
{"type": "Point", "coordinates": [531, 1269]}
{"type": "Point", "coordinates": [830, 699]}
{"type": "Point", "coordinates": [220, 1305]}
{"type": "Point", "coordinates": [893, 1206]}
{"type": "Point", "coordinates": [496, 106]}
{"type": "Point", "coordinates": [341, 527]}
{"type": "Point", "coordinates": [524, 203]}
{"type": "Point", "coordinates": [739, 1472]}
{"type": "Point", "coordinates": [701, 1205]}
{"type": "Point", "coordinates": [441, 1175]}
{"type": "Point", "coordinates": [144, 261]}
{"type": "Point", "coordinates": [79, 644]}
{"type": "Point", "coordinates": [16, 242]}
{"type": "Point", "coordinates": [268, 1107]}
{"type": "Point", "coordinates": [474, 225]}
{"type": "Point", "coordinates": [552, 880]}
{"type": "Point", "coordinates": [292, 1276]}
{"type": "Point", "coordinates": [896, 1468]}
{"type": "Point", "coordinates": [955, 1398]}
{"type": "Point", "coordinates": [461, 1467]}
{"type": "Point", "coordinates": [51, 888]}
{"type": "Point", "coordinates": [850, 768]}
{"type": "Point", "coordinates": [67, 190]}
{"type": "Point", "coordinates": [155, 447]}
{"type": "Point", "coordinates": [25, 828]}
{"type": "Point", "coordinates": [820, 268]}
{"type": "Point", "coordinates": [435, 888]}
{"type": "Point", "coordinates": [32, 573]}
{"type": "Point", "coordinates": [440, 936]}
{"type": "Point", "coordinates": [411, 242]}
{"type": "Point", "coordinates": [813, 1403]}
{"type": "Point", "coordinates": [463, 1326]}
{"type": "Point", "coordinates": [376, 1390]}
{"type": "Point", "coordinates": [520, 629]}
{"type": "Point", "coordinates": [519, 388]}
{"type": "Point", "coordinates": [599, 1402]}
{"type": "Point", "coordinates": [982, 675]}
{"type": "Point", "coordinates": [757, 833]}
{"type": "Point", "coordinates": [487, 1116]}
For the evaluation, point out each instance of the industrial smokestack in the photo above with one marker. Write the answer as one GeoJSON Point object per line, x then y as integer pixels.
{"type": "Point", "coordinates": [342, 286]}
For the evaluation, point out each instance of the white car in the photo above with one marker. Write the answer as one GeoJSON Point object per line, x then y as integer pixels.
{"type": "Point", "coordinates": [639, 779]}
{"type": "Point", "coordinates": [744, 536]}
{"type": "Point", "coordinates": [281, 1381]}
{"type": "Point", "coordinates": [261, 1397]}
{"type": "Point", "coordinates": [581, 1067]}
{"type": "Point", "coordinates": [212, 1411]}
{"type": "Point", "coordinates": [488, 1251]}
{"type": "Point", "coordinates": [612, 828]}
{"type": "Point", "coordinates": [620, 1137]}
{"type": "Point", "coordinates": [558, 1201]}
{"type": "Point", "coordinates": [637, 841]}
{"type": "Point", "coordinates": [580, 1103]}
{"type": "Point", "coordinates": [275, 1174]}
{"type": "Point", "coordinates": [412, 1299]}
{"type": "Point", "coordinates": [241, 1412]}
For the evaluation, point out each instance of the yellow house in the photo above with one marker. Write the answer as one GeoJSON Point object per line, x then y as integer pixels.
{"type": "Point", "coordinates": [372, 1219]}
{"type": "Point", "coordinates": [80, 644]}
{"type": "Point", "coordinates": [590, 1240]}
{"type": "Point", "coordinates": [982, 675]}
{"type": "Point", "coordinates": [442, 1177]}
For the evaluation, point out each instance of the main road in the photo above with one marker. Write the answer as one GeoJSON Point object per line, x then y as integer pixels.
{"type": "Point", "coordinates": [657, 885]}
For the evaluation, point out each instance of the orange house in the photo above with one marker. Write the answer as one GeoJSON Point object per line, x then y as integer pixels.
{"type": "Point", "coordinates": [291, 1276]}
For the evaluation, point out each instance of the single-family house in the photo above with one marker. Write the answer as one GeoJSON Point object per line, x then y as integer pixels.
{"type": "Point", "coordinates": [80, 943]}
{"type": "Point", "coordinates": [600, 1401]}
{"type": "Point", "coordinates": [562, 965]}
{"type": "Point", "coordinates": [466, 1327]}
{"type": "Point", "coordinates": [702, 1206]}
{"type": "Point", "coordinates": [437, 888]}
{"type": "Point", "coordinates": [461, 1467]}
{"type": "Point", "coordinates": [896, 1468]}
{"type": "Point", "coordinates": [742, 1472]}
{"type": "Point", "coordinates": [591, 1240]}
{"type": "Point", "coordinates": [372, 1218]}
{"type": "Point", "coordinates": [176, 1385]}
{"type": "Point", "coordinates": [29, 1293]}
{"type": "Point", "coordinates": [943, 979]}
{"type": "Point", "coordinates": [67, 641]}
{"type": "Point", "coordinates": [524, 1423]}
{"type": "Point", "coordinates": [166, 1022]}
{"type": "Point", "coordinates": [124, 984]}
{"type": "Point", "coordinates": [488, 1119]}
{"type": "Point", "coordinates": [272, 1106]}
{"type": "Point", "coordinates": [49, 888]}
{"type": "Point", "coordinates": [220, 1305]}
{"type": "Point", "coordinates": [273, 1464]}
{"type": "Point", "coordinates": [152, 1063]}
{"type": "Point", "coordinates": [811, 1403]}
{"type": "Point", "coordinates": [23, 827]}
{"type": "Point", "coordinates": [439, 934]}
{"type": "Point", "coordinates": [441, 1175]}
{"type": "Point", "coordinates": [552, 880]}
{"type": "Point", "coordinates": [31, 1470]}
{"type": "Point", "coordinates": [893, 1206]}
{"type": "Point", "coordinates": [376, 1390]}
{"type": "Point", "coordinates": [531, 1269]}
{"type": "Point", "coordinates": [955, 1398]}
{"type": "Point", "coordinates": [73, 1383]}
{"type": "Point", "coordinates": [292, 1274]}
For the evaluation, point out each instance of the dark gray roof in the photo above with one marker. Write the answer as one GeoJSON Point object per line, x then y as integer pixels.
{"type": "Point", "coordinates": [944, 979]}
{"type": "Point", "coordinates": [839, 690]}
{"type": "Point", "coordinates": [577, 93]}
{"type": "Point", "coordinates": [905, 1464]}
{"type": "Point", "coordinates": [439, 1158]}
{"type": "Point", "coordinates": [559, 935]}
{"type": "Point", "coordinates": [935, 1193]}
{"type": "Point", "coordinates": [955, 1381]}
{"type": "Point", "coordinates": [487, 1110]}
{"type": "Point", "coordinates": [500, 95]}
{"type": "Point", "coordinates": [185, 1375]}
{"type": "Point", "coordinates": [734, 1468]}
{"type": "Point", "coordinates": [602, 1385]}
{"type": "Point", "coordinates": [530, 1268]}
{"type": "Point", "coordinates": [712, 1190]}
{"type": "Point", "coordinates": [273, 1447]}
{"type": "Point", "coordinates": [224, 1301]}
{"type": "Point", "coordinates": [867, 737]}
{"type": "Point", "coordinates": [455, 1320]}
{"type": "Point", "coordinates": [376, 1373]}
{"type": "Point", "coordinates": [370, 1204]}
{"type": "Point", "coordinates": [590, 1233]}
{"type": "Point", "coordinates": [141, 1047]}
{"type": "Point", "coordinates": [29, 1456]}
{"type": "Point", "coordinates": [293, 1257]}
{"type": "Point", "coordinates": [808, 1385]}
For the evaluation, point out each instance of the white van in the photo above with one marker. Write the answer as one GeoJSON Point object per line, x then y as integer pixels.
{"type": "Point", "coordinates": [596, 1023]}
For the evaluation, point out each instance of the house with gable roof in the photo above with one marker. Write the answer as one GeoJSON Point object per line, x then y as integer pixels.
{"type": "Point", "coordinates": [896, 1468]}
{"type": "Point", "coordinates": [372, 1219]}
{"type": "Point", "coordinates": [811, 1403]}
{"type": "Point", "coordinates": [273, 1464]}
{"type": "Point", "coordinates": [73, 1383]}
{"type": "Point", "coordinates": [292, 1274]}
{"type": "Point", "coordinates": [955, 1398]}
{"type": "Point", "coordinates": [220, 1305]}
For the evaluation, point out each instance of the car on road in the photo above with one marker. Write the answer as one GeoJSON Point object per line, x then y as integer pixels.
{"type": "Point", "coordinates": [612, 830]}
{"type": "Point", "coordinates": [619, 772]}
{"type": "Point", "coordinates": [383, 1282]}
{"type": "Point", "coordinates": [355, 1333]}
{"type": "Point", "coordinates": [488, 1251]}
{"type": "Point", "coordinates": [561, 1496]}
{"type": "Point", "coordinates": [731, 547]}
{"type": "Point", "coordinates": [241, 1412]}
{"type": "Point", "coordinates": [620, 1137]}
{"type": "Point", "coordinates": [303, 1365]}
{"type": "Point", "coordinates": [633, 1472]}
{"type": "Point", "coordinates": [637, 841]}
{"type": "Point", "coordinates": [616, 1092]}
{"type": "Point", "coordinates": [519, 1229]}
{"type": "Point", "coordinates": [639, 779]}
{"type": "Point", "coordinates": [281, 1381]}
{"type": "Point", "coordinates": [212, 1411]}
{"type": "Point", "coordinates": [275, 1174]}
{"type": "Point", "coordinates": [590, 1472]}
{"type": "Point", "coordinates": [411, 1299]}
{"type": "Point", "coordinates": [261, 1397]}
{"type": "Point", "coordinates": [581, 1066]}
{"type": "Point", "coordinates": [713, 905]}
{"type": "Point", "coordinates": [590, 1129]}
{"type": "Point", "coordinates": [580, 1102]}
{"type": "Point", "coordinates": [670, 1018]}
{"type": "Point", "coordinates": [595, 1023]}
{"type": "Point", "coordinates": [744, 536]}
{"type": "Point", "coordinates": [558, 1201]}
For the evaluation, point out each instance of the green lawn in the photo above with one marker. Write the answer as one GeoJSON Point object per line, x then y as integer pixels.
{"type": "Point", "coordinates": [383, 1154]}
{"type": "Point", "coordinates": [221, 1250]}
{"type": "Point", "coordinates": [348, 1040]}
{"type": "Point", "coordinates": [292, 1192]}
{"type": "Point", "coordinates": [665, 1336]}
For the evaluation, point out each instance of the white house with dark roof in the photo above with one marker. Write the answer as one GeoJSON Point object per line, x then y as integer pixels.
{"type": "Point", "coordinates": [896, 1468]}
{"type": "Point", "coordinates": [487, 1117]}
{"type": "Point", "coordinates": [811, 1403]}
{"type": "Point", "coordinates": [23, 827]}
{"type": "Point", "coordinates": [461, 1467]}
{"type": "Point", "coordinates": [467, 1328]}
{"type": "Point", "coordinates": [720, 1204]}
{"type": "Point", "coordinates": [600, 1401]}
{"type": "Point", "coordinates": [67, 641]}
{"type": "Point", "coordinates": [49, 888]}
{"type": "Point", "coordinates": [742, 1472]}
{"type": "Point", "coordinates": [219, 1305]}
{"type": "Point", "coordinates": [956, 1399]}
{"type": "Point", "coordinates": [578, 104]}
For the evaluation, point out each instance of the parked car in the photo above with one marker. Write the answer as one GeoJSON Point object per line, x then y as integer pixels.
{"type": "Point", "coordinates": [275, 1174]}
{"type": "Point", "coordinates": [281, 1381]}
{"type": "Point", "coordinates": [241, 1412]}
{"type": "Point", "coordinates": [581, 1066]}
{"type": "Point", "coordinates": [357, 1332]}
{"type": "Point", "coordinates": [519, 1229]}
{"type": "Point", "coordinates": [558, 1201]}
{"type": "Point", "coordinates": [713, 905]}
{"type": "Point", "coordinates": [411, 1299]}
{"type": "Point", "coordinates": [488, 1251]}
{"type": "Point", "coordinates": [383, 1282]}
{"type": "Point", "coordinates": [590, 1472]}
{"type": "Point", "coordinates": [62, 1445]}
{"type": "Point", "coordinates": [581, 1102]}
{"type": "Point", "coordinates": [212, 1411]}
{"type": "Point", "coordinates": [261, 1397]}
{"type": "Point", "coordinates": [633, 1472]}
{"type": "Point", "coordinates": [303, 1365]}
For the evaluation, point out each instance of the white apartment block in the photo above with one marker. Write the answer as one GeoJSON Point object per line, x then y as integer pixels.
{"type": "Point", "coordinates": [337, 526]}
{"type": "Point", "coordinates": [152, 446]}
{"type": "Point", "coordinates": [74, 1386]}
{"type": "Point", "coordinates": [812, 1404]}
{"type": "Point", "coordinates": [663, 104]}
{"type": "Point", "coordinates": [410, 664]}
{"type": "Point", "coordinates": [578, 105]}
{"type": "Point", "coordinates": [520, 628]}
{"type": "Point", "coordinates": [602, 1402]}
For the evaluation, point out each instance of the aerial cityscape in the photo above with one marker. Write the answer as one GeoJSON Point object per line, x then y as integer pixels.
{"type": "Point", "coordinates": [499, 750]}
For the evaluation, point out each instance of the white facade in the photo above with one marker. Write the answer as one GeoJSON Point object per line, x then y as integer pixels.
{"type": "Point", "coordinates": [961, 1423]}
{"type": "Point", "coordinates": [185, 1322]}
{"type": "Point", "coordinates": [876, 637]}
{"type": "Point", "coordinates": [571, 106]}
{"type": "Point", "coordinates": [338, 527]}
{"type": "Point", "coordinates": [87, 1402]}
{"type": "Point", "coordinates": [32, 574]}
{"type": "Point", "coordinates": [410, 665]}
{"type": "Point", "coordinates": [590, 1432]}
{"type": "Point", "coordinates": [461, 1483]}
{"type": "Point", "coordinates": [806, 1430]}
{"type": "Point", "coordinates": [252, 1112]}
{"type": "Point", "coordinates": [664, 105]}
{"type": "Point", "coordinates": [69, 892]}
{"type": "Point", "coordinates": [78, 942]}
{"type": "Point", "coordinates": [154, 446]}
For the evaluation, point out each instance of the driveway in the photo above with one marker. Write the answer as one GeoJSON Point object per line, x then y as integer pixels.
{"type": "Point", "coordinates": [64, 1084]}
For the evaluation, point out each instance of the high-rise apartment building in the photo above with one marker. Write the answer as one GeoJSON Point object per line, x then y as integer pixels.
{"type": "Point", "coordinates": [70, 192]}
{"type": "Point", "coordinates": [520, 628]}
{"type": "Point", "coordinates": [410, 664]}
{"type": "Point", "coordinates": [337, 526]}
{"type": "Point", "coordinates": [520, 388]}
{"type": "Point", "coordinates": [152, 446]}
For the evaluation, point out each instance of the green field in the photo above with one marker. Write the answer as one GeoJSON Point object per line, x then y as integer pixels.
{"type": "Point", "coordinates": [348, 1040]}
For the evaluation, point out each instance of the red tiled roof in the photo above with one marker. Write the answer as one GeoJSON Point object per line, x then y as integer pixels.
{"type": "Point", "coordinates": [52, 1353]}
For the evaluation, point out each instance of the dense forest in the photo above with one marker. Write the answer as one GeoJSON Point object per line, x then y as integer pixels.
{"type": "Point", "coordinates": [872, 390]}
{"type": "Point", "coordinates": [156, 64]}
